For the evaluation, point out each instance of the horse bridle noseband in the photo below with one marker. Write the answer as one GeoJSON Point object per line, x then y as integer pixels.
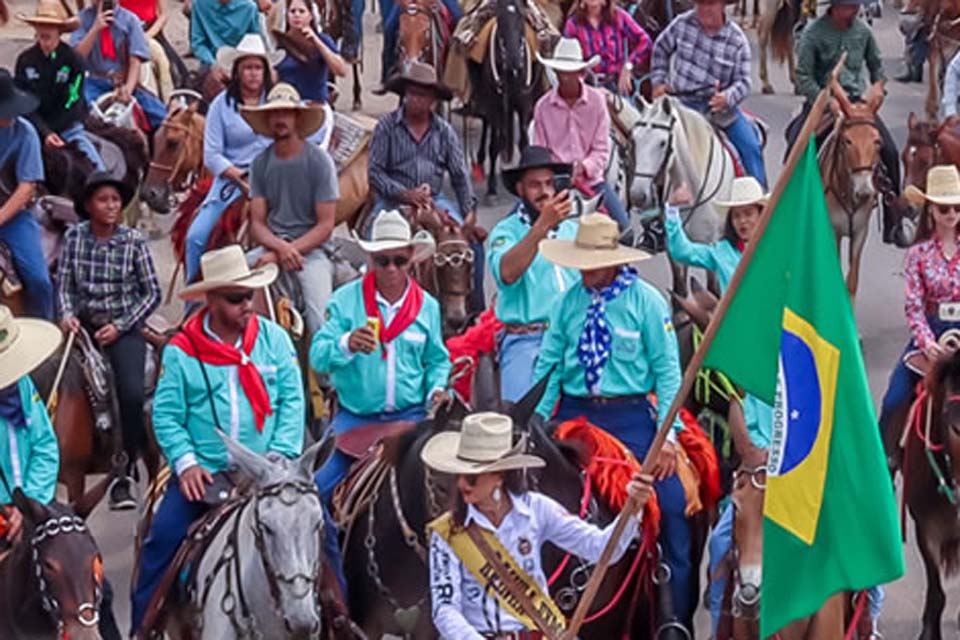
{"type": "Point", "coordinates": [465, 256]}
{"type": "Point", "coordinates": [87, 613]}
{"type": "Point", "coordinates": [414, 9]}
{"type": "Point", "coordinates": [745, 599]}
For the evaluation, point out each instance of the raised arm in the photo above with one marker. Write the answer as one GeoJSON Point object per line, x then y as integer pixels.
{"type": "Point", "coordinates": [328, 350]}
{"type": "Point", "coordinates": [577, 536]}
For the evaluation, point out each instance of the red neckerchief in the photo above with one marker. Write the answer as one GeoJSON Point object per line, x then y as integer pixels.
{"type": "Point", "coordinates": [741, 246]}
{"type": "Point", "coordinates": [195, 342]}
{"type": "Point", "coordinates": [408, 312]}
{"type": "Point", "coordinates": [108, 48]}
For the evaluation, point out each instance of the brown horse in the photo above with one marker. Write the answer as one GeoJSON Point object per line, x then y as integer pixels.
{"type": "Point", "coordinates": [177, 158]}
{"type": "Point", "coordinates": [423, 33]}
{"type": "Point", "coordinates": [942, 20]}
{"type": "Point", "coordinates": [775, 29]}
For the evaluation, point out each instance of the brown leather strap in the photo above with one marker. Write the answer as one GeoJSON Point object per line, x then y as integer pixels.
{"type": "Point", "coordinates": [509, 580]}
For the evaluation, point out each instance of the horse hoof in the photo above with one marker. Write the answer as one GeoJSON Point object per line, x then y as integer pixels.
{"type": "Point", "coordinates": [767, 90]}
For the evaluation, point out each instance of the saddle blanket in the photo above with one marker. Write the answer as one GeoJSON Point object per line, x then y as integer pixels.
{"type": "Point", "coordinates": [351, 135]}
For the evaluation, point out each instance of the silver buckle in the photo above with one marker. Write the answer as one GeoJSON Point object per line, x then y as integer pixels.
{"type": "Point", "coordinates": [949, 311]}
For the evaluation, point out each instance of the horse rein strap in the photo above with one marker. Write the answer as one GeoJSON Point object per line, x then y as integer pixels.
{"type": "Point", "coordinates": [88, 613]}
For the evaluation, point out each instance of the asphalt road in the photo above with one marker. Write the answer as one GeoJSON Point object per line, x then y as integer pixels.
{"type": "Point", "coordinates": [878, 306]}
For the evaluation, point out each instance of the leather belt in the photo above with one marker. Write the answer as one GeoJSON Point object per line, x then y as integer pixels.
{"type": "Point", "coordinates": [515, 635]}
{"type": "Point", "coordinates": [632, 398]}
{"type": "Point", "coordinates": [525, 329]}
{"type": "Point", "coordinates": [946, 311]}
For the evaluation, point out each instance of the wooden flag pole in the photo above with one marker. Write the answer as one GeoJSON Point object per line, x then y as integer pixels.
{"type": "Point", "coordinates": [696, 362]}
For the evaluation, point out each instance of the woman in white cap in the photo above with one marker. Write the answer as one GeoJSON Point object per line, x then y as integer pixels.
{"type": "Point", "coordinates": [497, 526]}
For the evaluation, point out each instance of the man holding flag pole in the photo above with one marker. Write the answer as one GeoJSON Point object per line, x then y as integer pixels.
{"type": "Point", "coordinates": [784, 331]}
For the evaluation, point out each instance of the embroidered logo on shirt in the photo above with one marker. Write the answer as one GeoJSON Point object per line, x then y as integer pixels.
{"type": "Point", "coordinates": [524, 546]}
{"type": "Point", "coordinates": [667, 324]}
{"type": "Point", "coordinates": [32, 73]}
{"type": "Point", "coordinates": [63, 74]}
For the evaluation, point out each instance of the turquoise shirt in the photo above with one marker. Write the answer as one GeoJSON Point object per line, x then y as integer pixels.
{"type": "Point", "coordinates": [184, 422]}
{"type": "Point", "coordinates": [720, 257]}
{"type": "Point", "coordinates": [531, 297]}
{"type": "Point", "coordinates": [29, 456]}
{"type": "Point", "coordinates": [417, 361]}
{"type": "Point", "coordinates": [759, 418]}
{"type": "Point", "coordinates": [644, 355]}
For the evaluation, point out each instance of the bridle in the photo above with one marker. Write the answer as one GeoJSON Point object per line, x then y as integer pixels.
{"type": "Point", "coordinates": [745, 600]}
{"type": "Point", "coordinates": [839, 179]}
{"type": "Point", "coordinates": [414, 9]}
{"type": "Point", "coordinates": [462, 256]}
{"type": "Point", "coordinates": [170, 171]}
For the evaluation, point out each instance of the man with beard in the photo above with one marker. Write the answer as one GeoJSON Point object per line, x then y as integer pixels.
{"type": "Point", "coordinates": [293, 191]}
{"type": "Point", "coordinates": [527, 285]}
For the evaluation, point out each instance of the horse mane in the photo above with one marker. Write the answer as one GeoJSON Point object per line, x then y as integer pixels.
{"type": "Point", "coordinates": [44, 374]}
{"type": "Point", "coordinates": [132, 142]}
{"type": "Point", "coordinates": [66, 169]}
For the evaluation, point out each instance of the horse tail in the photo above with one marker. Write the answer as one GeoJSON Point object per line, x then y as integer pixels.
{"type": "Point", "coordinates": [185, 213]}
{"type": "Point", "coordinates": [781, 32]}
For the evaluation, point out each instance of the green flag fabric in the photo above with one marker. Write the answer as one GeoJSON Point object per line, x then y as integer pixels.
{"type": "Point", "coordinates": [789, 337]}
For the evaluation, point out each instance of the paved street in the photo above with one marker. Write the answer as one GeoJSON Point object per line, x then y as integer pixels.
{"type": "Point", "coordinates": [879, 307]}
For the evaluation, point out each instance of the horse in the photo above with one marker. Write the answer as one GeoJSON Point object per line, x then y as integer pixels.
{"type": "Point", "coordinates": [775, 30]}
{"type": "Point", "coordinates": [848, 159]}
{"type": "Point", "coordinates": [508, 84]}
{"type": "Point", "coordinates": [941, 19]}
{"type": "Point", "coordinates": [177, 157]}
{"type": "Point", "coordinates": [920, 153]}
{"type": "Point", "coordinates": [264, 556]}
{"type": "Point", "coordinates": [331, 14]}
{"type": "Point", "coordinates": [132, 144]}
{"type": "Point", "coordinates": [423, 33]}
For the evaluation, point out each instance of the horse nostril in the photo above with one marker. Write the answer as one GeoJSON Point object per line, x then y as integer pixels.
{"type": "Point", "coordinates": [749, 594]}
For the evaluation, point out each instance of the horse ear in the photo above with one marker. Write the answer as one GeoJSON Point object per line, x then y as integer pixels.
{"type": "Point", "coordinates": [912, 121]}
{"type": "Point", "coordinates": [85, 504]}
{"type": "Point", "coordinates": [524, 408]}
{"type": "Point", "coordinates": [317, 455]}
{"type": "Point", "coordinates": [32, 510]}
{"type": "Point", "coordinates": [250, 464]}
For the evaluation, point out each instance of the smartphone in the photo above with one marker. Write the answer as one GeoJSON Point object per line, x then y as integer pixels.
{"type": "Point", "coordinates": [106, 5]}
{"type": "Point", "coordinates": [561, 181]}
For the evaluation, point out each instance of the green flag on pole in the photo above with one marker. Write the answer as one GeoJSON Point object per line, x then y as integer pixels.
{"type": "Point", "coordinates": [789, 337]}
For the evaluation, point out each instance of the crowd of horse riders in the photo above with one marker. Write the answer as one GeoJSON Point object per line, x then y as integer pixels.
{"type": "Point", "coordinates": [476, 470]}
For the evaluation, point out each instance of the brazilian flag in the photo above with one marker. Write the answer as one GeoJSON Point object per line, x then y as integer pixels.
{"type": "Point", "coordinates": [789, 337]}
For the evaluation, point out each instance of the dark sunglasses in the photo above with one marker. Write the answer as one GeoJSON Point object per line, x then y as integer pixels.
{"type": "Point", "coordinates": [384, 261]}
{"type": "Point", "coordinates": [944, 209]}
{"type": "Point", "coordinates": [238, 298]}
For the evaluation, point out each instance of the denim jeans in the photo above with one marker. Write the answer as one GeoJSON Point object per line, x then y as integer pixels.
{"type": "Point", "coordinates": [518, 355]}
{"type": "Point", "coordinates": [77, 134]}
{"type": "Point", "coordinates": [744, 137]}
{"type": "Point", "coordinates": [22, 234]}
{"type": "Point", "coordinates": [614, 204]}
{"type": "Point", "coordinates": [206, 219]}
{"type": "Point", "coordinates": [316, 283]}
{"type": "Point", "coordinates": [153, 108]}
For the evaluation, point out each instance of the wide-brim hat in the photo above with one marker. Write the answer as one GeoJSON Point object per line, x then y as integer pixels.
{"type": "Point", "coordinates": [483, 445]}
{"type": "Point", "coordinates": [13, 101]}
{"type": "Point", "coordinates": [250, 45]}
{"type": "Point", "coordinates": [596, 246]}
{"type": "Point", "coordinates": [283, 97]}
{"type": "Point", "coordinates": [392, 231]}
{"type": "Point", "coordinates": [225, 268]}
{"type": "Point", "coordinates": [744, 191]}
{"type": "Point", "coordinates": [50, 13]}
{"type": "Point", "coordinates": [417, 73]}
{"type": "Point", "coordinates": [943, 187]}
{"type": "Point", "coordinates": [24, 344]}
{"type": "Point", "coordinates": [94, 181]}
{"type": "Point", "coordinates": [568, 56]}
{"type": "Point", "coordinates": [533, 157]}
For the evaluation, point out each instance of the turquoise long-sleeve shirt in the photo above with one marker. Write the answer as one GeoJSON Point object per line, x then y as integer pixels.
{"type": "Point", "coordinates": [720, 257]}
{"type": "Point", "coordinates": [417, 362]}
{"type": "Point", "coordinates": [29, 456]}
{"type": "Point", "coordinates": [644, 355]}
{"type": "Point", "coordinates": [215, 24]}
{"type": "Point", "coordinates": [183, 420]}
{"type": "Point", "coordinates": [530, 298]}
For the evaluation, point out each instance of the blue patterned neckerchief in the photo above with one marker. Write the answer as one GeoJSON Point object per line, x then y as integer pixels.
{"type": "Point", "coordinates": [527, 219]}
{"type": "Point", "coordinates": [593, 350]}
{"type": "Point", "coordinates": [11, 408]}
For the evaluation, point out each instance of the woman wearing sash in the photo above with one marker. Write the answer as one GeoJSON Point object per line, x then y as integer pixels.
{"type": "Point", "coordinates": [496, 528]}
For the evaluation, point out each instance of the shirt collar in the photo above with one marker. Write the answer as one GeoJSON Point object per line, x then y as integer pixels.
{"type": "Point", "coordinates": [117, 236]}
{"type": "Point", "coordinates": [210, 332]}
{"type": "Point", "coordinates": [555, 98]}
{"type": "Point", "coordinates": [519, 505]}
{"type": "Point", "coordinates": [393, 306]}
{"type": "Point", "coordinates": [696, 20]}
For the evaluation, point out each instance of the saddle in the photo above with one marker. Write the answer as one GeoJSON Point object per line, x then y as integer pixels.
{"type": "Point", "coordinates": [472, 33]}
{"type": "Point", "coordinates": [10, 282]}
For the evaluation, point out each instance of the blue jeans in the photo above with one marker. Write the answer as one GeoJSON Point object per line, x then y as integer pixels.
{"type": "Point", "coordinates": [206, 219]}
{"type": "Point", "coordinates": [744, 137]}
{"type": "Point", "coordinates": [77, 134]}
{"type": "Point", "coordinates": [518, 355]}
{"type": "Point", "coordinates": [614, 205]}
{"type": "Point", "coordinates": [22, 234]}
{"type": "Point", "coordinates": [152, 106]}
{"type": "Point", "coordinates": [633, 423]}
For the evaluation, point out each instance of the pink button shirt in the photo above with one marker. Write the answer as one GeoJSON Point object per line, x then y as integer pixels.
{"type": "Point", "coordinates": [580, 133]}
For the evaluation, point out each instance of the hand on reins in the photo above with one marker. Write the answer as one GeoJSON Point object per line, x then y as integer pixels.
{"type": "Point", "coordinates": [718, 101]}
{"type": "Point", "coordinates": [362, 340]}
{"type": "Point", "coordinates": [439, 398]}
{"type": "Point", "coordinates": [472, 230]}
{"type": "Point", "coordinates": [640, 488]}
{"type": "Point", "coordinates": [55, 141]}
{"type": "Point", "coordinates": [625, 82]}
{"type": "Point", "coordinates": [107, 335]}
{"type": "Point", "coordinates": [289, 257]}
{"type": "Point", "coordinates": [14, 523]}
{"type": "Point", "coordinates": [666, 464]}
{"type": "Point", "coordinates": [418, 197]}
{"type": "Point", "coordinates": [70, 324]}
{"type": "Point", "coordinates": [193, 482]}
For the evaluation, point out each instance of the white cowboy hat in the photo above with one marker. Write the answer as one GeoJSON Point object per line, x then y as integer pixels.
{"type": "Point", "coordinates": [250, 45]}
{"type": "Point", "coordinates": [227, 267]}
{"type": "Point", "coordinates": [597, 245]}
{"type": "Point", "coordinates": [50, 13]}
{"type": "Point", "coordinates": [284, 97]}
{"type": "Point", "coordinates": [392, 231]}
{"type": "Point", "coordinates": [568, 56]}
{"type": "Point", "coordinates": [943, 187]}
{"type": "Point", "coordinates": [483, 445]}
{"type": "Point", "coordinates": [743, 191]}
{"type": "Point", "coordinates": [24, 344]}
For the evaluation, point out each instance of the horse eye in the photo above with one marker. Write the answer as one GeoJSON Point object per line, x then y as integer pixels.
{"type": "Point", "coordinates": [663, 143]}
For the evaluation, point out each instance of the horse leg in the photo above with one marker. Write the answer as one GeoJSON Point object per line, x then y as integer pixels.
{"type": "Point", "coordinates": [496, 139]}
{"type": "Point", "coordinates": [763, 41]}
{"type": "Point", "coordinates": [481, 158]}
{"type": "Point", "coordinates": [935, 597]}
{"type": "Point", "coordinates": [856, 253]}
{"type": "Point", "coordinates": [357, 89]}
{"type": "Point", "coordinates": [756, 13]}
{"type": "Point", "coordinates": [792, 64]}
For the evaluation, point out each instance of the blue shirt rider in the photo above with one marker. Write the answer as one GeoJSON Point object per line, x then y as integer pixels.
{"type": "Point", "coordinates": [528, 286]}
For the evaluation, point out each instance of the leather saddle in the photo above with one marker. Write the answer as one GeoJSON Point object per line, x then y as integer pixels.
{"type": "Point", "coordinates": [359, 442]}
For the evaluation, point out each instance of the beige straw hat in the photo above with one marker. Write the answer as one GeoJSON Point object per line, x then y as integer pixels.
{"type": "Point", "coordinates": [250, 45]}
{"type": "Point", "coordinates": [227, 267]}
{"type": "Point", "coordinates": [743, 191]}
{"type": "Point", "coordinates": [483, 445]}
{"type": "Point", "coordinates": [596, 246]}
{"type": "Point", "coordinates": [24, 344]}
{"type": "Point", "coordinates": [50, 13]}
{"type": "Point", "coordinates": [568, 56]}
{"type": "Point", "coordinates": [943, 187]}
{"type": "Point", "coordinates": [392, 231]}
{"type": "Point", "coordinates": [283, 97]}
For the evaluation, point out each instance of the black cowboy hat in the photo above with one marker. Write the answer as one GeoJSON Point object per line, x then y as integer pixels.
{"type": "Point", "coordinates": [532, 157]}
{"type": "Point", "coordinates": [94, 181]}
{"type": "Point", "coordinates": [13, 101]}
{"type": "Point", "coordinates": [420, 74]}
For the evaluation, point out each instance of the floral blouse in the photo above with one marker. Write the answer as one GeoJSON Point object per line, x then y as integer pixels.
{"type": "Point", "coordinates": [930, 279]}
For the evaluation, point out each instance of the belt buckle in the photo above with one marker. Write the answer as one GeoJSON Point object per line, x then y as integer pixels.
{"type": "Point", "coordinates": [949, 311]}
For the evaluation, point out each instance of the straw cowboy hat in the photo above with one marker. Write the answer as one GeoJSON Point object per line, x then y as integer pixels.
{"type": "Point", "coordinates": [392, 231]}
{"type": "Point", "coordinates": [283, 97]}
{"type": "Point", "coordinates": [227, 267]}
{"type": "Point", "coordinates": [743, 192]}
{"type": "Point", "coordinates": [94, 181]}
{"type": "Point", "coordinates": [568, 56]}
{"type": "Point", "coordinates": [533, 157]}
{"type": "Point", "coordinates": [13, 101]}
{"type": "Point", "coordinates": [250, 45]}
{"type": "Point", "coordinates": [417, 73]}
{"type": "Point", "coordinates": [24, 344]}
{"type": "Point", "coordinates": [50, 13]}
{"type": "Point", "coordinates": [484, 445]}
{"type": "Point", "coordinates": [943, 187]}
{"type": "Point", "coordinates": [596, 246]}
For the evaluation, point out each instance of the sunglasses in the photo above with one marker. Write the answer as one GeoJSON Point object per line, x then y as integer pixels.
{"type": "Point", "coordinates": [238, 298]}
{"type": "Point", "coordinates": [384, 261]}
{"type": "Point", "coordinates": [944, 209]}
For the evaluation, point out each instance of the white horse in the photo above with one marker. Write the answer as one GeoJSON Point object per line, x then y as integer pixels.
{"type": "Point", "coordinates": [258, 577]}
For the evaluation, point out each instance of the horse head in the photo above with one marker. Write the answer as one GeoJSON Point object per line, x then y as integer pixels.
{"type": "Point", "coordinates": [415, 32]}
{"type": "Point", "coordinates": [652, 136]}
{"type": "Point", "coordinates": [288, 528]}
{"type": "Point", "coordinates": [177, 156]}
{"type": "Point", "coordinates": [512, 57]}
{"type": "Point", "coordinates": [858, 143]}
{"type": "Point", "coordinates": [454, 262]}
{"type": "Point", "coordinates": [66, 169]}
{"type": "Point", "coordinates": [749, 488]}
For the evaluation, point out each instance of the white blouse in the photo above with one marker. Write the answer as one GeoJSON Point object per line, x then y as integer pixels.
{"type": "Point", "coordinates": [463, 610]}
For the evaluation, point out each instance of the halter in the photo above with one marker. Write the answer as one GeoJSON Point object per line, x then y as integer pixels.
{"type": "Point", "coordinates": [434, 36]}
{"type": "Point", "coordinates": [172, 170]}
{"type": "Point", "coordinates": [463, 257]}
{"type": "Point", "coordinates": [839, 158]}
{"type": "Point", "coordinates": [745, 598]}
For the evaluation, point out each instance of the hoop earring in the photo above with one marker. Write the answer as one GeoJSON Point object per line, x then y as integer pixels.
{"type": "Point", "coordinates": [497, 495]}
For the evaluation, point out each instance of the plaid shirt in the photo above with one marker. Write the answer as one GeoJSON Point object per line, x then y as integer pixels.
{"type": "Point", "coordinates": [114, 278]}
{"type": "Point", "coordinates": [610, 42]}
{"type": "Point", "coordinates": [700, 60]}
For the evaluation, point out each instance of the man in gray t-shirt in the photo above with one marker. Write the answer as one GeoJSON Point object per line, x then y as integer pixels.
{"type": "Point", "coordinates": [293, 196]}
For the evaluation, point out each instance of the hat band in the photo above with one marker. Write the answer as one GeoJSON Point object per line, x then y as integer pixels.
{"type": "Point", "coordinates": [593, 245]}
{"type": "Point", "coordinates": [392, 239]}
{"type": "Point", "coordinates": [9, 336]}
{"type": "Point", "coordinates": [481, 460]}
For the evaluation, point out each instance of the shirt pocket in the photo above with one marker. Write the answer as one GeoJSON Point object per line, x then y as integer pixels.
{"type": "Point", "coordinates": [270, 377]}
{"type": "Point", "coordinates": [412, 344]}
{"type": "Point", "coordinates": [625, 344]}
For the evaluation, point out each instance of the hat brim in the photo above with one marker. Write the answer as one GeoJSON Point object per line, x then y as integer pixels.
{"type": "Point", "coordinates": [422, 242]}
{"type": "Point", "coordinates": [19, 104]}
{"type": "Point", "coordinates": [729, 204]}
{"type": "Point", "coordinates": [256, 279]}
{"type": "Point", "coordinates": [440, 454]}
{"type": "Point", "coordinates": [64, 24]}
{"type": "Point", "coordinates": [568, 66]}
{"type": "Point", "coordinates": [228, 56]}
{"type": "Point", "coordinates": [917, 197]}
{"type": "Point", "coordinates": [295, 44]}
{"type": "Point", "coordinates": [37, 341]}
{"type": "Point", "coordinates": [512, 176]}
{"type": "Point", "coordinates": [398, 84]}
{"type": "Point", "coordinates": [310, 118]}
{"type": "Point", "coordinates": [566, 253]}
{"type": "Point", "coordinates": [79, 204]}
